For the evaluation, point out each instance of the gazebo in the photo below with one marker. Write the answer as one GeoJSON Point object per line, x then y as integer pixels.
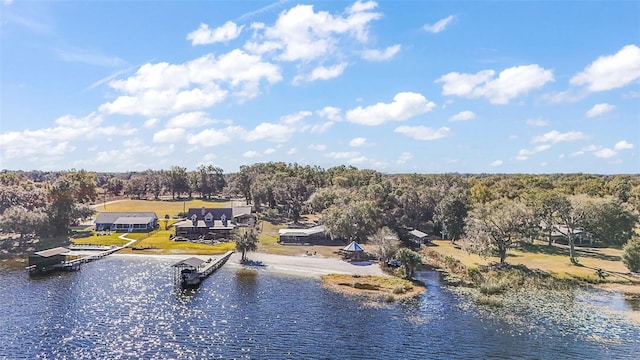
{"type": "Point", "coordinates": [353, 251]}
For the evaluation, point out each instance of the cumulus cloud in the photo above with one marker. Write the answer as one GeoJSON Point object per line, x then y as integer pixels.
{"type": "Point", "coordinates": [271, 132]}
{"type": "Point", "coordinates": [190, 120]}
{"type": "Point", "coordinates": [496, 163]}
{"type": "Point", "coordinates": [214, 137]}
{"type": "Point", "coordinates": [203, 35]}
{"type": "Point", "coordinates": [612, 71]}
{"type": "Point", "coordinates": [163, 89]}
{"type": "Point", "coordinates": [292, 151]}
{"type": "Point", "coordinates": [524, 154]}
{"type": "Point", "coordinates": [295, 118]}
{"type": "Point", "coordinates": [359, 141]}
{"type": "Point", "coordinates": [463, 116]}
{"type": "Point", "coordinates": [68, 130]}
{"type": "Point", "coordinates": [605, 153]}
{"type": "Point", "coordinates": [423, 132]}
{"type": "Point", "coordinates": [623, 145]}
{"type": "Point", "coordinates": [510, 83]}
{"type": "Point", "coordinates": [330, 113]}
{"type": "Point", "coordinates": [321, 73]}
{"type": "Point", "coordinates": [599, 109]}
{"type": "Point", "coordinates": [556, 136]}
{"type": "Point", "coordinates": [352, 157]}
{"type": "Point", "coordinates": [381, 55]}
{"type": "Point", "coordinates": [251, 154]}
{"type": "Point", "coordinates": [405, 105]}
{"type": "Point", "coordinates": [151, 123]}
{"type": "Point", "coordinates": [439, 26]}
{"type": "Point", "coordinates": [169, 135]}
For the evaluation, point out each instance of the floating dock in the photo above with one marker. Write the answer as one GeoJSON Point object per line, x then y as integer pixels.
{"type": "Point", "coordinates": [190, 272]}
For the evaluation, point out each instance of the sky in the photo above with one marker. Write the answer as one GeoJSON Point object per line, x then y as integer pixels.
{"type": "Point", "coordinates": [395, 86]}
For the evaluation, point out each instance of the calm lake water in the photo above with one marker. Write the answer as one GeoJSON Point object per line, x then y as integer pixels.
{"type": "Point", "coordinates": [127, 308]}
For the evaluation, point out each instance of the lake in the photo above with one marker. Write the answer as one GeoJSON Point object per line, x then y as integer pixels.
{"type": "Point", "coordinates": [128, 308]}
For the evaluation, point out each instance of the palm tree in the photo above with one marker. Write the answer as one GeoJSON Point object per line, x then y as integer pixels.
{"type": "Point", "coordinates": [246, 240]}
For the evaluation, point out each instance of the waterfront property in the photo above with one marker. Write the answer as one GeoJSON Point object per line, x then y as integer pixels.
{"type": "Point", "coordinates": [213, 223]}
{"type": "Point", "coordinates": [127, 221]}
{"type": "Point", "coordinates": [314, 235]}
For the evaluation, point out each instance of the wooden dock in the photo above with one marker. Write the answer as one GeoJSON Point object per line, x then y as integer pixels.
{"type": "Point", "coordinates": [190, 272]}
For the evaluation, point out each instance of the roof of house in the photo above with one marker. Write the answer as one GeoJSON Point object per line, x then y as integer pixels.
{"type": "Point", "coordinates": [302, 232]}
{"type": "Point", "coordinates": [111, 217]}
{"type": "Point", "coordinates": [190, 262]}
{"type": "Point", "coordinates": [52, 252]}
{"type": "Point", "coordinates": [215, 225]}
{"type": "Point", "coordinates": [217, 213]}
{"type": "Point", "coordinates": [417, 233]}
{"type": "Point", "coordinates": [133, 220]}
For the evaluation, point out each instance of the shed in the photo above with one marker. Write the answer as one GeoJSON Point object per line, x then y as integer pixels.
{"type": "Point", "coordinates": [310, 235]}
{"type": "Point", "coordinates": [418, 237]}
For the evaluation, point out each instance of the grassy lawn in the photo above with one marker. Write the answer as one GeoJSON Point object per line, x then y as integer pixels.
{"type": "Point", "coordinates": [160, 207]}
{"type": "Point", "coordinates": [553, 260]}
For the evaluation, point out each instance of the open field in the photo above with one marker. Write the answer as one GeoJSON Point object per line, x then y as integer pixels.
{"type": "Point", "coordinates": [553, 260]}
{"type": "Point", "coordinates": [160, 207]}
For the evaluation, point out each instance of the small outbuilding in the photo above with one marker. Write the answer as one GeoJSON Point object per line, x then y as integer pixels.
{"type": "Point", "coordinates": [418, 237]}
{"type": "Point", "coordinates": [312, 235]}
{"type": "Point", "coordinates": [46, 260]}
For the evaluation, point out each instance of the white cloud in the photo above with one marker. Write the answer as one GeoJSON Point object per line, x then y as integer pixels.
{"type": "Point", "coordinates": [605, 153]}
{"type": "Point", "coordinates": [405, 105]}
{"type": "Point", "coordinates": [439, 26]}
{"type": "Point", "coordinates": [270, 132]}
{"type": "Point", "coordinates": [292, 151]}
{"type": "Point", "coordinates": [321, 127]}
{"type": "Point", "coordinates": [538, 122]}
{"type": "Point", "coordinates": [163, 89]}
{"type": "Point", "coordinates": [251, 154]}
{"type": "Point", "coordinates": [359, 141]}
{"type": "Point", "coordinates": [151, 123]}
{"type": "Point", "coordinates": [343, 155]}
{"type": "Point", "coordinates": [381, 55]}
{"type": "Point", "coordinates": [496, 163]}
{"type": "Point", "coordinates": [463, 116]}
{"type": "Point", "coordinates": [404, 157]}
{"type": "Point", "coordinates": [556, 136]}
{"type": "Point", "coordinates": [203, 35]}
{"type": "Point", "coordinates": [295, 118]}
{"type": "Point", "coordinates": [423, 132]}
{"type": "Point", "coordinates": [212, 137]}
{"type": "Point", "coordinates": [318, 147]}
{"type": "Point", "coordinates": [171, 135]}
{"type": "Point", "coordinates": [509, 84]}
{"type": "Point", "coordinates": [269, 151]}
{"type": "Point", "coordinates": [190, 120]}
{"type": "Point", "coordinates": [611, 72]}
{"type": "Point", "coordinates": [524, 154]}
{"type": "Point", "coordinates": [585, 149]}
{"type": "Point", "coordinates": [330, 113]}
{"type": "Point", "coordinates": [623, 145]}
{"type": "Point", "coordinates": [599, 109]}
{"type": "Point", "coordinates": [301, 34]}
{"type": "Point", "coordinates": [321, 73]}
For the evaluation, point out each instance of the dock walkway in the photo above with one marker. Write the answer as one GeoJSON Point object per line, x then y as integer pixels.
{"type": "Point", "coordinates": [75, 264]}
{"type": "Point", "coordinates": [190, 272]}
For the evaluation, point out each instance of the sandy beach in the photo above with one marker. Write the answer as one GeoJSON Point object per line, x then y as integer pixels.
{"type": "Point", "coordinates": [301, 265]}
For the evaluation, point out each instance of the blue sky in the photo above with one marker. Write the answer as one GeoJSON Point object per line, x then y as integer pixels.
{"type": "Point", "coordinates": [395, 86]}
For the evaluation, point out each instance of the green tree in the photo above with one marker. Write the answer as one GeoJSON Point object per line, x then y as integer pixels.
{"type": "Point", "coordinates": [178, 181]}
{"type": "Point", "coordinates": [246, 240]}
{"type": "Point", "coordinates": [292, 192]}
{"type": "Point", "coordinates": [451, 212]}
{"type": "Point", "coordinates": [385, 244]}
{"type": "Point", "coordinates": [20, 220]}
{"type": "Point", "coordinates": [631, 255]}
{"type": "Point", "coordinates": [547, 208]}
{"type": "Point", "coordinates": [494, 227]}
{"type": "Point", "coordinates": [410, 261]}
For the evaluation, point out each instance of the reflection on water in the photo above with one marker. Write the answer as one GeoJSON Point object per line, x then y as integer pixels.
{"type": "Point", "coordinates": [120, 307]}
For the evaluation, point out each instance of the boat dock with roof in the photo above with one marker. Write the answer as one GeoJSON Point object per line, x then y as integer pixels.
{"type": "Point", "coordinates": [190, 272]}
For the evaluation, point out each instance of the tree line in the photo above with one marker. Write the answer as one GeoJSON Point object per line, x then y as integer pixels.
{"type": "Point", "coordinates": [491, 211]}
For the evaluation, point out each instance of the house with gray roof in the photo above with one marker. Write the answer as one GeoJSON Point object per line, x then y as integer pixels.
{"type": "Point", "coordinates": [127, 221]}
